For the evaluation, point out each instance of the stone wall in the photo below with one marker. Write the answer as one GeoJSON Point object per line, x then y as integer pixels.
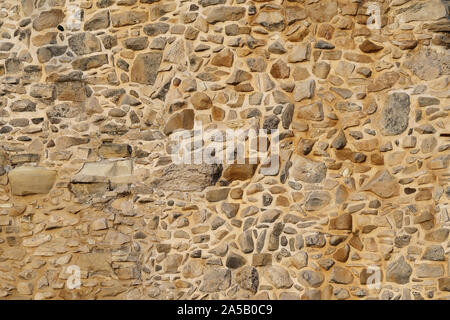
{"type": "Point", "coordinates": [92, 90]}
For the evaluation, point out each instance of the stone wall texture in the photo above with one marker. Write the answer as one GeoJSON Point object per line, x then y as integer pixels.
{"type": "Point", "coordinates": [91, 91]}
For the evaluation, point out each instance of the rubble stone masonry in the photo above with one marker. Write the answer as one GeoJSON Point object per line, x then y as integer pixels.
{"type": "Point", "coordinates": [93, 206]}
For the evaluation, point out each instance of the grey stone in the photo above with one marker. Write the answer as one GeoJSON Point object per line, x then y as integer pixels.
{"type": "Point", "coordinates": [342, 92]}
{"type": "Point", "coordinates": [145, 67]}
{"type": "Point", "coordinates": [339, 141]}
{"type": "Point", "coordinates": [315, 240]}
{"type": "Point", "coordinates": [128, 18]}
{"type": "Point", "coordinates": [286, 116]}
{"type": "Point", "coordinates": [207, 3]}
{"type": "Point", "coordinates": [246, 242]}
{"type": "Point", "coordinates": [402, 241]}
{"type": "Point", "coordinates": [99, 20]}
{"type": "Point", "coordinates": [138, 43]}
{"type": "Point", "coordinates": [156, 29]}
{"type": "Point", "coordinates": [304, 90]}
{"type": "Point", "coordinates": [427, 270]}
{"type": "Point", "coordinates": [434, 253]}
{"type": "Point", "coordinates": [176, 53]}
{"type": "Point", "coordinates": [341, 275]}
{"type": "Point", "coordinates": [395, 115]}
{"type": "Point", "coordinates": [277, 48]}
{"type": "Point", "coordinates": [321, 44]}
{"type": "Point", "coordinates": [272, 20]}
{"type": "Point", "coordinates": [271, 122]}
{"type": "Point", "coordinates": [188, 177]}
{"type": "Point", "coordinates": [308, 170]}
{"type": "Point", "coordinates": [6, 46]}
{"type": "Point", "coordinates": [217, 222]}
{"type": "Point", "coordinates": [311, 278]}
{"type": "Point", "coordinates": [299, 260]}
{"type": "Point", "coordinates": [326, 263]}
{"type": "Point", "coordinates": [230, 209]}
{"type": "Point", "coordinates": [91, 62]}
{"type": "Point", "coordinates": [248, 278]}
{"type": "Point", "coordinates": [235, 261]}
{"type": "Point", "coordinates": [428, 101]}
{"type": "Point", "coordinates": [84, 43]}
{"type": "Point", "coordinates": [428, 64]}
{"type": "Point", "coordinates": [270, 216]}
{"type": "Point", "coordinates": [422, 11]}
{"type": "Point", "coordinates": [317, 200]}
{"type": "Point", "coordinates": [42, 91]}
{"type": "Point", "coordinates": [398, 271]}
{"type": "Point", "coordinates": [24, 105]}
{"type": "Point", "coordinates": [217, 194]}
{"type": "Point", "coordinates": [425, 128]}
{"type": "Point", "coordinates": [216, 280]}
{"type": "Point", "coordinates": [278, 277]}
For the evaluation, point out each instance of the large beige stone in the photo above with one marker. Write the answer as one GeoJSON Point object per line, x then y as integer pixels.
{"type": "Point", "coordinates": [272, 20]}
{"type": "Point", "coordinates": [84, 43]}
{"type": "Point", "coordinates": [308, 170]}
{"type": "Point", "coordinates": [100, 20]}
{"type": "Point", "coordinates": [304, 90]}
{"type": "Point", "coordinates": [343, 222]}
{"type": "Point", "coordinates": [224, 58]}
{"type": "Point", "coordinates": [225, 13]}
{"type": "Point", "coordinates": [95, 263]}
{"type": "Point", "coordinates": [395, 114]}
{"type": "Point", "coordinates": [278, 277]}
{"type": "Point", "coordinates": [127, 18]}
{"type": "Point", "coordinates": [398, 271]}
{"type": "Point", "coordinates": [31, 180]}
{"type": "Point", "coordinates": [322, 11]}
{"type": "Point", "coordinates": [311, 278]}
{"type": "Point", "coordinates": [188, 177]}
{"type": "Point", "coordinates": [383, 184]}
{"type": "Point", "coordinates": [145, 67]}
{"type": "Point", "coordinates": [48, 19]}
{"type": "Point", "coordinates": [64, 142]}
{"type": "Point", "coordinates": [444, 284]}
{"type": "Point", "coordinates": [312, 111]}
{"type": "Point", "coordinates": [236, 171]}
{"type": "Point", "coordinates": [341, 275]}
{"type": "Point", "coordinates": [106, 170]}
{"type": "Point", "coordinates": [114, 150]}
{"type": "Point", "coordinates": [317, 200]}
{"type": "Point", "coordinates": [428, 64]}
{"type": "Point", "coordinates": [201, 101]}
{"type": "Point", "coordinates": [181, 120]}
{"type": "Point", "coordinates": [421, 11]}
{"type": "Point", "coordinates": [215, 280]}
